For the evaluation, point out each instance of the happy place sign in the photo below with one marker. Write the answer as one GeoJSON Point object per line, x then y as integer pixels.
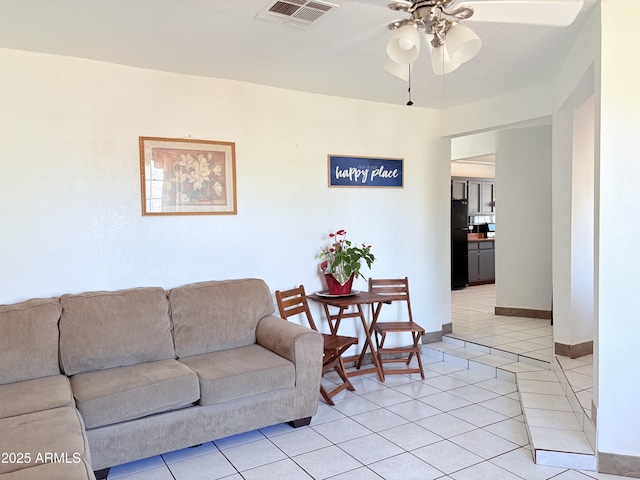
{"type": "Point", "coordinates": [365, 171]}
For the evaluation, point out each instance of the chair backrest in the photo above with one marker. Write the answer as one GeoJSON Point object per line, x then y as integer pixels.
{"type": "Point", "coordinates": [294, 302]}
{"type": "Point", "coordinates": [397, 289]}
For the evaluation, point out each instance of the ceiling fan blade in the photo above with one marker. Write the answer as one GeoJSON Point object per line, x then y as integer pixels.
{"type": "Point", "coordinates": [559, 13]}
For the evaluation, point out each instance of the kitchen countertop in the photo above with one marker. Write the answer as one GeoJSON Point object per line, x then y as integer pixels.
{"type": "Point", "coordinates": [475, 237]}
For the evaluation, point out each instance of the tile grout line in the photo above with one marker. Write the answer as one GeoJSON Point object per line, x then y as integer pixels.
{"type": "Point", "coordinates": [591, 465]}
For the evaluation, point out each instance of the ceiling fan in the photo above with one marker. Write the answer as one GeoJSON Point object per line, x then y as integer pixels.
{"type": "Point", "coordinates": [450, 43]}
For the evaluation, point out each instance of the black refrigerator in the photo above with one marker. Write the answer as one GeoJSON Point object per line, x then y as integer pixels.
{"type": "Point", "coordinates": [459, 253]}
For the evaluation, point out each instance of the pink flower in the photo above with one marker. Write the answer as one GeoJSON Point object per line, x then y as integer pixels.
{"type": "Point", "coordinates": [341, 259]}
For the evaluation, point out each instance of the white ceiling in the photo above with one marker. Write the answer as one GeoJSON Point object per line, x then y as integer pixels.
{"type": "Point", "coordinates": [340, 54]}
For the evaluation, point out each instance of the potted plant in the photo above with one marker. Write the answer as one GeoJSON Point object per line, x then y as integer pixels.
{"type": "Point", "coordinates": [342, 262]}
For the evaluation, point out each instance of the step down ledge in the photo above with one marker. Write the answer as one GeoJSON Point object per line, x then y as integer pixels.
{"type": "Point", "coordinates": [554, 447]}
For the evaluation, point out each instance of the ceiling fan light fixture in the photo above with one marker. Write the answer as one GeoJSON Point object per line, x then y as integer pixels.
{"type": "Point", "coordinates": [441, 61]}
{"type": "Point", "coordinates": [400, 70]}
{"type": "Point", "coordinates": [462, 43]}
{"type": "Point", "coordinates": [404, 46]}
{"type": "Point", "coordinates": [450, 44]}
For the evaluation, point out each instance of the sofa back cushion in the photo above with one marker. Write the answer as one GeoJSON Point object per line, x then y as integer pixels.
{"type": "Point", "coordinates": [100, 330]}
{"type": "Point", "coordinates": [213, 316]}
{"type": "Point", "coordinates": [29, 340]}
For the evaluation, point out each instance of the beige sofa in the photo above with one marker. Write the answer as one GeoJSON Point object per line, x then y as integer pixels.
{"type": "Point", "coordinates": [105, 378]}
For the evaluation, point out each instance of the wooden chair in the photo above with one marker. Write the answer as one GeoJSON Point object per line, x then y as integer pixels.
{"type": "Point", "coordinates": [294, 302]}
{"type": "Point", "coordinates": [397, 290]}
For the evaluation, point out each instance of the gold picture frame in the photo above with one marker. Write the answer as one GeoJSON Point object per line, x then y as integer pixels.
{"type": "Point", "coordinates": [187, 176]}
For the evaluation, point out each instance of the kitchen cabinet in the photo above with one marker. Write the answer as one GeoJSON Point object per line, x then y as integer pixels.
{"type": "Point", "coordinates": [474, 191]}
{"type": "Point", "coordinates": [487, 198]}
{"type": "Point", "coordinates": [482, 261]}
{"type": "Point", "coordinates": [480, 194]}
{"type": "Point", "coordinates": [458, 189]}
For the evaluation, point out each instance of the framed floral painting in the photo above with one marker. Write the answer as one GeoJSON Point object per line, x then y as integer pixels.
{"type": "Point", "coordinates": [187, 177]}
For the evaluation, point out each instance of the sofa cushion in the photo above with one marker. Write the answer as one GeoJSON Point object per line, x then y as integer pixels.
{"type": "Point", "coordinates": [100, 330]}
{"type": "Point", "coordinates": [54, 471]}
{"type": "Point", "coordinates": [35, 395]}
{"type": "Point", "coordinates": [212, 316]}
{"type": "Point", "coordinates": [29, 330]}
{"type": "Point", "coordinates": [240, 372]}
{"type": "Point", "coordinates": [124, 393]}
{"type": "Point", "coordinates": [33, 435]}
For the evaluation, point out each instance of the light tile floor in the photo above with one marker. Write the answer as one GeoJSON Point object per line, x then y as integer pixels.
{"type": "Point", "coordinates": [473, 320]}
{"type": "Point", "coordinates": [555, 392]}
{"type": "Point", "coordinates": [457, 424]}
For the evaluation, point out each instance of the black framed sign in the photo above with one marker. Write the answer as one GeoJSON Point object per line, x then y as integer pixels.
{"type": "Point", "coordinates": [347, 171]}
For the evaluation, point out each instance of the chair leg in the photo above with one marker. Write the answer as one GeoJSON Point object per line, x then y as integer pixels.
{"type": "Point", "coordinates": [380, 345]}
{"type": "Point", "coordinates": [326, 396]}
{"type": "Point", "coordinates": [411, 354]}
{"type": "Point", "coordinates": [336, 364]}
{"type": "Point", "coordinates": [415, 337]}
{"type": "Point", "coordinates": [410, 351]}
{"type": "Point", "coordinates": [343, 376]}
{"type": "Point", "coordinates": [418, 355]}
{"type": "Point", "coordinates": [343, 368]}
{"type": "Point", "coordinates": [362, 353]}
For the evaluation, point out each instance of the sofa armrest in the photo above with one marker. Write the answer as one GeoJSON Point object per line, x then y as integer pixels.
{"type": "Point", "coordinates": [289, 340]}
{"type": "Point", "coordinates": [302, 346]}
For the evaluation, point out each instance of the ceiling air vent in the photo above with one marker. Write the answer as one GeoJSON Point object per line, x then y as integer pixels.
{"type": "Point", "coordinates": [295, 12]}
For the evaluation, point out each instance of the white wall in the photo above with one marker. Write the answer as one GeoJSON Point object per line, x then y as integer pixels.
{"type": "Point", "coordinates": [523, 215]}
{"type": "Point", "coordinates": [521, 108]}
{"type": "Point", "coordinates": [574, 215]}
{"type": "Point", "coordinates": [474, 155]}
{"type": "Point", "coordinates": [70, 184]}
{"type": "Point", "coordinates": [582, 224]}
{"type": "Point", "coordinates": [562, 169]}
{"type": "Point", "coordinates": [618, 260]}
{"type": "Point", "coordinates": [572, 297]}
{"type": "Point", "coordinates": [473, 145]}
{"type": "Point", "coordinates": [616, 176]}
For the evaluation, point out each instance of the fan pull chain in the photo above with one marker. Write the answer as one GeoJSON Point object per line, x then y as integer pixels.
{"type": "Point", "coordinates": [444, 93]}
{"type": "Point", "coordinates": [409, 103]}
